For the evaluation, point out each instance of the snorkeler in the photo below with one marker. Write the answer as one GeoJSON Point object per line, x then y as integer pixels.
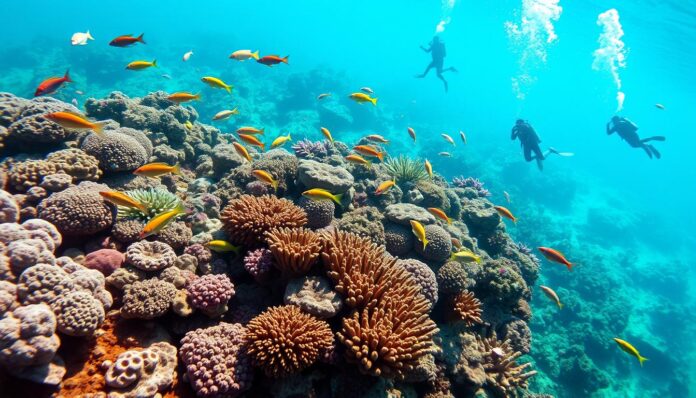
{"type": "Point", "coordinates": [628, 131]}
{"type": "Point", "coordinates": [438, 53]}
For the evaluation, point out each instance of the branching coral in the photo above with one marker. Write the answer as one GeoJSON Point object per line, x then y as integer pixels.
{"type": "Point", "coordinates": [473, 183]}
{"type": "Point", "coordinates": [156, 200]}
{"type": "Point", "coordinates": [405, 169]}
{"type": "Point", "coordinates": [294, 250]}
{"type": "Point", "coordinates": [503, 375]}
{"type": "Point", "coordinates": [467, 308]}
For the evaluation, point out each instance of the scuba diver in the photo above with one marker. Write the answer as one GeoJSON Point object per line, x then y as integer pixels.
{"type": "Point", "coordinates": [438, 53]}
{"type": "Point", "coordinates": [627, 130]}
{"type": "Point", "coordinates": [530, 143]}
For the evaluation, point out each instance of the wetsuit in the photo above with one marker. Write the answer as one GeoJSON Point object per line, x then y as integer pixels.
{"type": "Point", "coordinates": [530, 142]}
{"type": "Point", "coordinates": [438, 54]}
{"type": "Point", "coordinates": [628, 131]}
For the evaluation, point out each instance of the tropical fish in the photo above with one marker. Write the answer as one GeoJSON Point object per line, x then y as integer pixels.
{"type": "Point", "coordinates": [445, 154]}
{"type": "Point", "coordinates": [552, 295]}
{"type": "Point", "coordinates": [72, 121]}
{"type": "Point", "coordinates": [504, 212]}
{"type": "Point", "coordinates": [121, 199]}
{"type": "Point", "coordinates": [52, 84]}
{"type": "Point", "coordinates": [367, 90]}
{"type": "Point", "coordinates": [80, 39]}
{"type": "Point", "coordinates": [418, 230]}
{"type": "Point", "coordinates": [242, 151]}
{"type": "Point", "coordinates": [182, 97]}
{"type": "Point", "coordinates": [78, 92]}
{"type": "Point", "coordinates": [439, 213]}
{"type": "Point", "coordinates": [357, 159]}
{"type": "Point", "coordinates": [507, 196]}
{"type": "Point", "coordinates": [214, 82]}
{"type": "Point", "coordinates": [322, 194]}
{"type": "Point", "coordinates": [323, 95]}
{"type": "Point", "coordinates": [187, 56]}
{"type": "Point", "coordinates": [157, 169]}
{"type": "Point", "coordinates": [74, 102]}
{"type": "Point", "coordinates": [412, 133]}
{"type": "Point", "coordinates": [463, 136]}
{"type": "Point", "coordinates": [377, 138]}
{"type": "Point", "coordinates": [429, 168]}
{"type": "Point", "coordinates": [362, 97]}
{"type": "Point", "coordinates": [166, 76]}
{"type": "Point", "coordinates": [327, 134]}
{"type": "Point", "coordinates": [280, 141]}
{"type": "Point", "coordinates": [660, 106]}
{"type": "Point", "coordinates": [140, 65]}
{"type": "Point", "coordinates": [222, 246]}
{"type": "Point", "coordinates": [630, 349]}
{"type": "Point", "coordinates": [188, 125]}
{"type": "Point", "coordinates": [243, 55]}
{"type": "Point", "coordinates": [252, 140]}
{"type": "Point", "coordinates": [385, 186]}
{"type": "Point", "coordinates": [448, 139]}
{"type": "Point", "coordinates": [160, 221]}
{"type": "Point", "coordinates": [367, 150]}
{"type": "Point", "coordinates": [456, 243]}
{"type": "Point", "coordinates": [249, 130]}
{"type": "Point", "coordinates": [222, 115]}
{"type": "Point", "coordinates": [270, 60]}
{"type": "Point", "coordinates": [266, 177]}
{"type": "Point", "coordinates": [555, 256]}
{"type": "Point", "coordinates": [465, 255]}
{"type": "Point", "coordinates": [127, 40]}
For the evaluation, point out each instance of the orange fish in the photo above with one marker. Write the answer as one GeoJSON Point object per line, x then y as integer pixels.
{"type": "Point", "coordinates": [368, 150]}
{"type": "Point", "coordinates": [121, 199]}
{"type": "Point", "coordinates": [428, 168]}
{"type": "Point", "coordinates": [556, 257]}
{"type": "Point", "coordinates": [249, 130]}
{"type": "Point", "coordinates": [69, 120]}
{"type": "Point", "coordinates": [456, 243]}
{"type": "Point", "coordinates": [327, 134]}
{"type": "Point", "coordinates": [184, 97]}
{"type": "Point", "coordinates": [384, 187]}
{"type": "Point", "coordinates": [157, 169]}
{"type": "Point", "coordinates": [270, 60]}
{"type": "Point", "coordinates": [52, 84]}
{"type": "Point", "coordinates": [439, 214]}
{"type": "Point", "coordinates": [552, 295]}
{"type": "Point", "coordinates": [242, 151]}
{"type": "Point", "coordinates": [251, 140]}
{"type": "Point", "coordinates": [357, 159]}
{"type": "Point", "coordinates": [412, 133]}
{"type": "Point", "coordinates": [127, 40]}
{"type": "Point", "coordinates": [504, 212]}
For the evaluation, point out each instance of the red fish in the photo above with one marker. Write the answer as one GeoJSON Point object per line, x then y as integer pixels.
{"type": "Point", "coordinates": [270, 60]}
{"type": "Point", "coordinates": [52, 84]}
{"type": "Point", "coordinates": [556, 257]}
{"type": "Point", "coordinates": [127, 40]}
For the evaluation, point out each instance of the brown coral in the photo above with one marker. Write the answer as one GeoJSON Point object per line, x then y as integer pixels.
{"type": "Point", "coordinates": [503, 375]}
{"type": "Point", "coordinates": [27, 174]}
{"type": "Point", "coordinates": [247, 219]}
{"type": "Point", "coordinates": [467, 308]}
{"type": "Point", "coordinates": [294, 250]}
{"type": "Point", "coordinates": [284, 340]}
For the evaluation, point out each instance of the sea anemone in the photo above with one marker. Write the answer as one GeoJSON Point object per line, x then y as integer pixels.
{"type": "Point", "coordinates": [405, 169]}
{"type": "Point", "coordinates": [157, 201]}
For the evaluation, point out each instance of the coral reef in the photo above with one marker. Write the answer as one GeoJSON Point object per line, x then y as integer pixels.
{"type": "Point", "coordinates": [294, 250]}
{"type": "Point", "coordinates": [467, 308]}
{"type": "Point", "coordinates": [210, 294]}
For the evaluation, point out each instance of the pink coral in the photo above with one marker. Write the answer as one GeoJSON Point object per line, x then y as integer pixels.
{"type": "Point", "coordinates": [210, 293]}
{"type": "Point", "coordinates": [259, 264]}
{"type": "Point", "coordinates": [105, 261]}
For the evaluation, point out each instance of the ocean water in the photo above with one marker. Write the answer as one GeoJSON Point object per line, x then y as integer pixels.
{"type": "Point", "coordinates": [626, 220]}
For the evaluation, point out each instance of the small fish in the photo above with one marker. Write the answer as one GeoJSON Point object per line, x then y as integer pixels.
{"type": "Point", "coordinates": [270, 60]}
{"type": "Point", "coordinates": [222, 115]}
{"type": "Point", "coordinates": [504, 212]}
{"type": "Point", "coordinates": [74, 102]}
{"type": "Point", "coordinates": [214, 82]}
{"type": "Point", "coordinates": [367, 90]}
{"type": "Point", "coordinates": [445, 154]}
{"type": "Point", "coordinates": [357, 159]}
{"type": "Point", "coordinates": [362, 98]}
{"type": "Point", "coordinates": [555, 256]}
{"type": "Point", "coordinates": [80, 39]}
{"type": "Point", "coordinates": [242, 151]}
{"type": "Point", "coordinates": [456, 243]}
{"type": "Point", "coordinates": [630, 349]}
{"type": "Point", "coordinates": [140, 65]}
{"type": "Point", "coordinates": [367, 150]}
{"type": "Point", "coordinates": [463, 136]}
{"type": "Point", "coordinates": [280, 141]}
{"type": "Point", "coordinates": [466, 256]}
{"type": "Point", "coordinates": [252, 140]}
{"type": "Point", "coordinates": [188, 125]}
{"type": "Point", "coordinates": [127, 40]}
{"type": "Point", "coordinates": [78, 92]}
{"type": "Point", "coordinates": [327, 134]}
{"type": "Point", "coordinates": [377, 138]}
{"type": "Point", "coordinates": [243, 55]}
{"type": "Point", "coordinates": [160, 221]}
{"type": "Point", "coordinates": [323, 95]}
{"type": "Point", "coordinates": [157, 169]}
{"type": "Point", "coordinates": [660, 106]}
{"type": "Point", "coordinates": [448, 139]}
{"type": "Point", "coordinates": [266, 177]}
{"type": "Point", "coordinates": [429, 168]}
{"type": "Point", "coordinates": [552, 295]}
{"type": "Point", "coordinates": [121, 199]}
{"type": "Point", "coordinates": [439, 213]}
{"type": "Point", "coordinates": [507, 196]}
{"type": "Point", "coordinates": [385, 186]}
{"type": "Point", "coordinates": [187, 56]}
{"type": "Point", "coordinates": [412, 133]}
{"type": "Point", "coordinates": [249, 130]}
{"type": "Point", "coordinates": [182, 97]}
{"type": "Point", "coordinates": [72, 121]}
{"type": "Point", "coordinates": [322, 194]}
{"type": "Point", "coordinates": [166, 76]}
{"type": "Point", "coordinates": [52, 84]}
{"type": "Point", "coordinates": [419, 231]}
{"type": "Point", "coordinates": [222, 246]}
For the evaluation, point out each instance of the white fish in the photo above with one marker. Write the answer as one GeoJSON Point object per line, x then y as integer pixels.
{"type": "Point", "coordinates": [445, 154]}
{"type": "Point", "coordinates": [78, 92]}
{"type": "Point", "coordinates": [80, 39]}
{"type": "Point", "coordinates": [461, 134]}
{"type": "Point", "coordinates": [507, 196]}
{"type": "Point", "coordinates": [166, 76]}
{"type": "Point", "coordinates": [222, 115]}
{"type": "Point", "coordinates": [367, 90]}
{"type": "Point", "coordinates": [448, 139]}
{"type": "Point", "coordinates": [323, 95]}
{"type": "Point", "coordinates": [187, 56]}
{"type": "Point", "coordinates": [241, 55]}
{"type": "Point", "coordinates": [74, 102]}
{"type": "Point", "coordinates": [660, 106]}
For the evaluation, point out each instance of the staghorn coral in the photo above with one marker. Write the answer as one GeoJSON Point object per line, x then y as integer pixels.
{"type": "Point", "coordinates": [313, 294]}
{"type": "Point", "coordinates": [78, 210]}
{"type": "Point", "coordinates": [295, 250]}
{"type": "Point", "coordinates": [284, 340]}
{"type": "Point", "coordinates": [150, 256]}
{"type": "Point", "coordinates": [210, 294]}
{"type": "Point", "coordinates": [148, 299]}
{"type": "Point", "coordinates": [320, 213]}
{"type": "Point", "coordinates": [503, 375]}
{"type": "Point", "coordinates": [78, 313]}
{"type": "Point", "coordinates": [156, 200]}
{"type": "Point", "coordinates": [247, 219]}
{"type": "Point", "coordinates": [467, 307]}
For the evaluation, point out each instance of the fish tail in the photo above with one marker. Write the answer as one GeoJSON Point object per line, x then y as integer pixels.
{"type": "Point", "coordinates": [374, 101]}
{"type": "Point", "coordinates": [478, 260]}
{"type": "Point", "coordinates": [560, 305]}
{"type": "Point", "coordinates": [180, 209]}
{"type": "Point", "coordinates": [570, 266]}
{"type": "Point", "coordinates": [98, 127]}
{"type": "Point", "coordinates": [289, 139]}
{"type": "Point", "coordinates": [449, 221]}
{"type": "Point", "coordinates": [369, 164]}
{"type": "Point", "coordinates": [140, 38]}
{"type": "Point", "coordinates": [89, 36]}
{"type": "Point", "coordinates": [67, 76]}
{"type": "Point", "coordinates": [176, 169]}
{"type": "Point", "coordinates": [154, 63]}
{"type": "Point", "coordinates": [228, 89]}
{"type": "Point", "coordinates": [641, 359]}
{"type": "Point", "coordinates": [261, 131]}
{"type": "Point", "coordinates": [197, 97]}
{"type": "Point", "coordinates": [425, 242]}
{"type": "Point", "coordinates": [263, 147]}
{"type": "Point", "coordinates": [380, 156]}
{"type": "Point", "coordinates": [274, 184]}
{"type": "Point", "coordinates": [514, 220]}
{"type": "Point", "coordinates": [337, 198]}
{"type": "Point", "coordinates": [255, 55]}
{"type": "Point", "coordinates": [285, 59]}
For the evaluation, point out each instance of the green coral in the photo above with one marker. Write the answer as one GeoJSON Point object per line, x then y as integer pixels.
{"type": "Point", "coordinates": [406, 169]}
{"type": "Point", "coordinates": [156, 200]}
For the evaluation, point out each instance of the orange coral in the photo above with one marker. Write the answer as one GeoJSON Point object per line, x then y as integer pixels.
{"type": "Point", "coordinates": [467, 308]}
{"type": "Point", "coordinates": [294, 250]}
{"type": "Point", "coordinates": [284, 340]}
{"type": "Point", "coordinates": [503, 374]}
{"type": "Point", "coordinates": [247, 219]}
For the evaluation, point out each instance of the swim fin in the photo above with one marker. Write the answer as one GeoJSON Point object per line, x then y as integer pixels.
{"type": "Point", "coordinates": [654, 151]}
{"type": "Point", "coordinates": [655, 138]}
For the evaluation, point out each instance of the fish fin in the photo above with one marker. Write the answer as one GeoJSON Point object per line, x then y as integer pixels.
{"type": "Point", "coordinates": [228, 89]}
{"type": "Point", "coordinates": [261, 131]}
{"type": "Point", "coordinates": [177, 169]}
{"type": "Point", "coordinates": [285, 59]}
{"type": "Point", "coordinates": [560, 305]}
{"type": "Point", "coordinates": [570, 266]}
{"type": "Point", "coordinates": [380, 156]}
{"type": "Point", "coordinates": [641, 359]}
{"type": "Point", "coordinates": [374, 101]}
{"type": "Point", "coordinates": [154, 63]}
{"type": "Point", "coordinates": [99, 127]}
{"type": "Point", "coordinates": [289, 138]}
{"type": "Point", "coordinates": [255, 55]}
{"type": "Point", "coordinates": [337, 198]}
{"type": "Point", "coordinates": [274, 184]}
{"type": "Point", "coordinates": [369, 164]}
{"type": "Point", "coordinates": [478, 260]}
{"type": "Point", "coordinates": [67, 76]}
{"type": "Point", "coordinates": [425, 242]}
{"type": "Point", "coordinates": [180, 208]}
{"type": "Point", "coordinates": [89, 36]}
{"type": "Point", "coordinates": [140, 38]}
{"type": "Point", "coordinates": [197, 97]}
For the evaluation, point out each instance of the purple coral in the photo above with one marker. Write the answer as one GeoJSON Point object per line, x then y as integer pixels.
{"type": "Point", "coordinates": [524, 249]}
{"type": "Point", "coordinates": [470, 182]}
{"type": "Point", "coordinates": [202, 253]}
{"type": "Point", "coordinates": [308, 149]}
{"type": "Point", "coordinates": [259, 264]}
{"type": "Point", "coordinates": [210, 293]}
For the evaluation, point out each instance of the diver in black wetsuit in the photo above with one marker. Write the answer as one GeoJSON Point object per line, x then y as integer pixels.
{"type": "Point", "coordinates": [438, 52]}
{"type": "Point", "coordinates": [530, 142]}
{"type": "Point", "coordinates": [628, 131]}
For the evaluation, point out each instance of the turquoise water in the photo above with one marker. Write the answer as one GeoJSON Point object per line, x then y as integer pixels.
{"type": "Point", "coordinates": [625, 219]}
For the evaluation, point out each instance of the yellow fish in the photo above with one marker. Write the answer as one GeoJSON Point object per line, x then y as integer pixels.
{"type": "Point", "coordinates": [222, 246]}
{"type": "Point", "coordinates": [280, 141]}
{"type": "Point", "coordinates": [377, 138]}
{"type": "Point", "coordinates": [252, 140]}
{"type": "Point", "coordinates": [385, 186]}
{"type": "Point", "coordinates": [242, 151]}
{"type": "Point", "coordinates": [214, 82]}
{"type": "Point", "coordinates": [157, 169]}
{"type": "Point", "coordinates": [630, 349]}
{"type": "Point", "coordinates": [466, 255]}
{"type": "Point", "coordinates": [418, 230]}
{"type": "Point", "coordinates": [362, 97]}
{"type": "Point", "coordinates": [222, 115]}
{"type": "Point", "coordinates": [160, 221]}
{"type": "Point", "coordinates": [322, 194]}
{"type": "Point", "coordinates": [249, 130]}
{"type": "Point", "coordinates": [357, 159]}
{"type": "Point", "coordinates": [429, 168]}
{"type": "Point", "coordinates": [439, 214]}
{"type": "Point", "coordinates": [140, 65]}
{"type": "Point", "coordinates": [552, 295]}
{"type": "Point", "coordinates": [182, 97]}
{"type": "Point", "coordinates": [448, 139]}
{"type": "Point", "coordinates": [188, 125]}
{"type": "Point", "coordinates": [73, 121]}
{"type": "Point", "coordinates": [327, 134]}
{"type": "Point", "coordinates": [265, 177]}
{"type": "Point", "coordinates": [121, 199]}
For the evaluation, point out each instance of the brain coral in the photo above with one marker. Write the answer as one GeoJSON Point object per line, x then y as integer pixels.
{"type": "Point", "coordinates": [43, 283]}
{"type": "Point", "coordinates": [115, 151]}
{"type": "Point", "coordinates": [32, 127]}
{"type": "Point", "coordinates": [150, 256]}
{"type": "Point", "coordinates": [78, 313]}
{"type": "Point", "coordinates": [142, 373]}
{"type": "Point", "coordinates": [210, 293]}
{"type": "Point", "coordinates": [364, 221]}
{"type": "Point", "coordinates": [78, 210]}
{"type": "Point", "coordinates": [147, 299]}
{"type": "Point", "coordinates": [27, 336]}
{"type": "Point", "coordinates": [27, 174]}
{"type": "Point", "coordinates": [320, 213]}
{"type": "Point", "coordinates": [398, 239]}
{"type": "Point", "coordinates": [294, 250]}
{"type": "Point", "coordinates": [9, 210]}
{"type": "Point", "coordinates": [439, 245]}
{"type": "Point", "coordinates": [76, 163]}
{"type": "Point", "coordinates": [424, 276]}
